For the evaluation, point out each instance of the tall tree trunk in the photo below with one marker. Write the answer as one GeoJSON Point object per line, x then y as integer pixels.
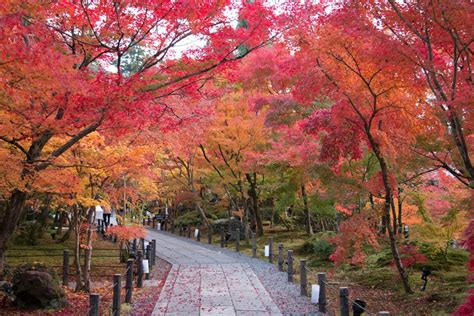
{"type": "Point", "coordinates": [42, 221]}
{"type": "Point", "coordinates": [203, 215]}
{"type": "Point", "coordinates": [70, 229]}
{"type": "Point", "coordinates": [77, 250]}
{"type": "Point", "coordinates": [400, 204]}
{"type": "Point", "coordinates": [394, 215]}
{"type": "Point", "coordinates": [252, 180]}
{"type": "Point", "coordinates": [387, 205]}
{"type": "Point", "coordinates": [88, 251]}
{"type": "Point", "coordinates": [12, 214]}
{"type": "Point", "coordinates": [307, 215]}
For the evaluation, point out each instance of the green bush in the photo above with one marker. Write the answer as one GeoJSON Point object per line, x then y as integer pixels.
{"type": "Point", "coordinates": [27, 234]}
{"type": "Point", "coordinates": [319, 245]}
{"type": "Point", "coordinates": [188, 218]}
{"type": "Point", "coordinates": [380, 259]}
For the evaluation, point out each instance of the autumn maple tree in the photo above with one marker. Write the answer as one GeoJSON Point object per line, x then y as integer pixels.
{"type": "Point", "coordinates": [65, 75]}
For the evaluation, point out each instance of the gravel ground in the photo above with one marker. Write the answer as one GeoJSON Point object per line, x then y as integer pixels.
{"type": "Point", "coordinates": [286, 295]}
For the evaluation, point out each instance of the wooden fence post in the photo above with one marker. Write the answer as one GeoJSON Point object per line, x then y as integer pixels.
{"type": "Point", "coordinates": [303, 278]}
{"type": "Point", "coordinates": [344, 300]}
{"type": "Point", "coordinates": [254, 245]}
{"type": "Point", "coordinates": [270, 248]}
{"type": "Point", "coordinates": [148, 256]}
{"type": "Point", "coordinates": [129, 281]}
{"type": "Point", "coordinates": [65, 267]}
{"type": "Point", "coordinates": [322, 303]}
{"type": "Point", "coordinates": [290, 265]}
{"type": "Point", "coordinates": [209, 235]}
{"type": "Point", "coordinates": [153, 252]}
{"type": "Point", "coordinates": [237, 240]}
{"type": "Point", "coordinates": [189, 231]}
{"type": "Point", "coordinates": [116, 296]}
{"type": "Point", "coordinates": [280, 257]}
{"type": "Point", "coordinates": [143, 222]}
{"type": "Point", "coordinates": [149, 221]}
{"type": "Point", "coordinates": [94, 301]}
{"type": "Point", "coordinates": [222, 237]}
{"type": "Point", "coordinates": [153, 223]}
{"type": "Point", "coordinates": [139, 269]}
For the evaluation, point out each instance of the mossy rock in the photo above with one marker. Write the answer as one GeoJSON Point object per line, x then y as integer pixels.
{"type": "Point", "coordinates": [36, 286]}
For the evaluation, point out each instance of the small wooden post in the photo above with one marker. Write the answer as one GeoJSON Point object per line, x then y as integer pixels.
{"type": "Point", "coordinates": [237, 240]}
{"type": "Point", "coordinates": [140, 269]}
{"type": "Point", "coordinates": [222, 237]}
{"type": "Point", "coordinates": [270, 246]}
{"type": "Point", "coordinates": [116, 296]}
{"type": "Point", "coordinates": [280, 257]}
{"type": "Point", "coordinates": [303, 278]}
{"type": "Point", "coordinates": [209, 235]}
{"type": "Point", "coordinates": [153, 252]}
{"type": "Point", "coordinates": [142, 245]}
{"type": "Point", "coordinates": [153, 222]}
{"type": "Point", "coordinates": [94, 301]}
{"type": "Point", "coordinates": [143, 222]}
{"type": "Point", "coordinates": [383, 313]}
{"type": "Point", "coordinates": [290, 265]}
{"type": "Point", "coordinates": [65, 267]}
{"type": "Point", "coordinates": [172, 229]}
{"type": "Point", "coordinates": [322, 303]}
{"type": "Point", "coordinates": [189, 231]}
{"type": "Point", "coordinates": [148, 257]}
{"type": "Point", "coordinates": [129, 281]}
{"type": "Point", "coordinates": [344, 300]}
{"type": "Point", "coordinates": [149, 221]}
{"type": "Point", "coordinates": [254, 245]}
{"type": "Point", "coordinates": [198, 237]}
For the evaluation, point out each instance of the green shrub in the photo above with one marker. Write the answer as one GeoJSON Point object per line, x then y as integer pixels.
{"type": "Point", "coordinates": [188, 218]}
{"type": "Point", "coordinates": [319, 245]}
{"type": "Point", "coordinates": [380, 259]}
{"type": "Point", "coordinates": [27, 234]}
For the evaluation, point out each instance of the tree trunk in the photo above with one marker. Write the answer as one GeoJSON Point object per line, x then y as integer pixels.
{"type": "Point", "coordinates": [400, 204]}
{"type": "Point", "coordinates": [394, 216]}
{"type": "Point", "coordinates": [12, 214]}
{"type": "Point", "coordinates": [88, 250]}
{"type": "Point", "coordinates": [307, 215]}
{"type": "Point", "coordinates": [77, 250]}
{"type": "Point", "coordinates": [42, 221]}
{"type": "Point", "coordinates": [203, 215]}
{"type": "Point", "coordinates": [70, 229]}
{"type": "Point", "coordinates": [252, 180]}
{"type": "Point", "coordinates": [388, 198]}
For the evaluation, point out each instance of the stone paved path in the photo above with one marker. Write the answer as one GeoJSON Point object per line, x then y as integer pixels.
{"type": "Point", "coordinates": [206, 280]}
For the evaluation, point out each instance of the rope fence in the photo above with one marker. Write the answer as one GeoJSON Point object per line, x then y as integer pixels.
{"type": "Point", "coordinates": [285, 262]}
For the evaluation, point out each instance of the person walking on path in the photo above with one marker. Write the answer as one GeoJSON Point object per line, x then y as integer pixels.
{"type": "Point", "coordinates": [106, 216]}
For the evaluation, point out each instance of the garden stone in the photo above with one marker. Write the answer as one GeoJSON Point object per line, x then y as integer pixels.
{"type": "Point", "coordinates": [36, 289]}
